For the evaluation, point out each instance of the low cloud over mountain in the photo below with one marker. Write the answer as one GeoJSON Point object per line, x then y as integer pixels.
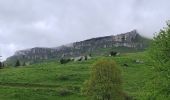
{"type": "Point", "coordinates": [50, 23]}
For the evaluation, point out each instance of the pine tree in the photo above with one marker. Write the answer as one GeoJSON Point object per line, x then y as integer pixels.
{"type": "Point", "coordinates": [1, 65]}
{"type": "Point", "coordinates": [17, 63]}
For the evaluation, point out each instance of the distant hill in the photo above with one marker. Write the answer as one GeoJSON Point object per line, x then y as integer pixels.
{"type": "Point", "coordinates": [125, 42]}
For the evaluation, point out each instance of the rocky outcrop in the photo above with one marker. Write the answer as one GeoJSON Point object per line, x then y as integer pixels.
{"type": "Point", "coordinates": [130, 39]}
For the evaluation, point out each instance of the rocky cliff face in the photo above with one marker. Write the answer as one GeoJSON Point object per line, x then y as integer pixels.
{"type": "Point", "coordinates": [130, 39]}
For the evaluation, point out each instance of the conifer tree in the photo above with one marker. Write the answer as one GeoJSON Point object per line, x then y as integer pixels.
{"type": "Point", "coordinates": [17, 63]}
{"type": "Point", "coordinates": [1, 65]}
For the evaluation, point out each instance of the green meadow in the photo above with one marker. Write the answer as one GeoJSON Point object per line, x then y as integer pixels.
{"type": "Point", "coordinates": [51, 80]}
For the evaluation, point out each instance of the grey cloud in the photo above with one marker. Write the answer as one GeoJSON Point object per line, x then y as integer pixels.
{"type": "Point", "coordinates": [31, 23]}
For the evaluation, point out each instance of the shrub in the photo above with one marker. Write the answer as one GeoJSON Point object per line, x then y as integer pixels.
{"type": "Point", "coordinates": [64, 61]}
{"type": "Point", "coordinates": [112, 53]}
{"type": "Point", "coordinates": [81, 58]}
{"type": "Point", "coordinates": [105, 82]}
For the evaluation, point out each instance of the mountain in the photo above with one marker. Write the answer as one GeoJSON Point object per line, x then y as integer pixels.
{"type": "Point", "coordinates": [125, 42]}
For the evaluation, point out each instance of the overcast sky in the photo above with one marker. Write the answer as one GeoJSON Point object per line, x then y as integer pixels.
{"type": "Point", "coordinates": [51, 23]}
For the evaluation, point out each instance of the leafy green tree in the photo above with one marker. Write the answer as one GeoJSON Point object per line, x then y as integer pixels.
{"type": "Point", "coordinates": [105, 82]}
{"type": "Point", "coordinates": [160, 53]}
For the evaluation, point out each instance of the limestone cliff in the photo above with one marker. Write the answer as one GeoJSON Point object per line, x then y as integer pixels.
{"type": "Point", "coordinates": [130, 40]}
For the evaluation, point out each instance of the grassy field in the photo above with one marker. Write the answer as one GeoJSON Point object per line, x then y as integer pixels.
{"type": "Point", "coordinates": [55, 81]}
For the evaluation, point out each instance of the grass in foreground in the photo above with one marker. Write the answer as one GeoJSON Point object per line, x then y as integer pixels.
{"type": "Point", "coordinates": [54, 81]}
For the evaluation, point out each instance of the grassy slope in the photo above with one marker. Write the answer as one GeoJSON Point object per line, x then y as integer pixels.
{"type": "Point", "coordinates": [46, 81]}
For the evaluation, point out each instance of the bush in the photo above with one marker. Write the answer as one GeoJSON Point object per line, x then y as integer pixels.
{"type": "Point", "coordinates": [105, 82]}
{"type": "Point", "coordinates": [64, 61]}
{"type": "Point", "coordinates": [112, 53]}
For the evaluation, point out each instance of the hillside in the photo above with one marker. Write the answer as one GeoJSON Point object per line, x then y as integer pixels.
{"type": "Point", "coordinates": [125, 42]}
{"type": "Point", "coordinates": [51, 80]}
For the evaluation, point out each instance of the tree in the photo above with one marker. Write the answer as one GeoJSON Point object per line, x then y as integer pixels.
{"type": "Point", "coordinates": [1, 65]}
{"type": "Point", "coordinates": [105, 82]}
{"type": "Point", "coordinates": [160, 53]}
{"type": "Point", "coordinates": [112, 53]}
{"type": "Point", "coordinates": [85, 58]}
{"type": "Point", "coordinates": [17, 63]}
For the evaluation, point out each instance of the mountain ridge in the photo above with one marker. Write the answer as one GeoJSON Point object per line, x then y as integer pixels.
{"type": "Point", "coordinates": [130, 39]}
